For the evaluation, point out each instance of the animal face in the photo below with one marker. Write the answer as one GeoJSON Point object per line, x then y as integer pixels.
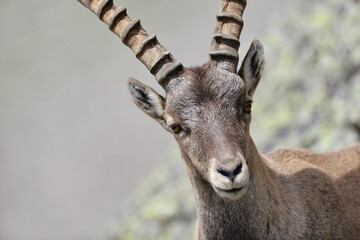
{"type": "Point", "coordinates": [206, 113]}
{"type": "Point", "coordinates": [209, 112]}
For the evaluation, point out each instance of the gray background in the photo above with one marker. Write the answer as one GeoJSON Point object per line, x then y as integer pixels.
{"type": "Point", "coordinates": [72, 144]}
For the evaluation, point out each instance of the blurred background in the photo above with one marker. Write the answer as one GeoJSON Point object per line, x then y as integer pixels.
{"type": "Point", "coordinates": [70, 137]}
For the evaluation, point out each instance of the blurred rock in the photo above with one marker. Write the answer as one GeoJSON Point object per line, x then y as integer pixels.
{"type": "Point", "coordinates": [309, 96]}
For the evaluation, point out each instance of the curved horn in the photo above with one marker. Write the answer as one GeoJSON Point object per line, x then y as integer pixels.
{"type": "Point", "coordinates": [225, 45]}
{"type": "Point", "coordinates": [145, 46]}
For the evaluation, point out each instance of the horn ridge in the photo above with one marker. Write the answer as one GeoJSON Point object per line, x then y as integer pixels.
{"type": "Point", "coordinates": [132, 25]}
{"type": "Point", "coordinates": [115, 15]}
{"type": "Point", "coordinates": [225, 45]}
{"type": "Point", "coordinates": [145, 46]}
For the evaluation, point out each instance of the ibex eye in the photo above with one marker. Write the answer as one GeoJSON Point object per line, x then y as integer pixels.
{"type": "Point", "coordinates": [247, 107]}
{"type": "Point", "coordinates": [176, 128]}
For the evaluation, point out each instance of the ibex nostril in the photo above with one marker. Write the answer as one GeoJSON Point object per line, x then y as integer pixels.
{"type": "Point", "coordinates": [230, 173]}
{"type": "Point", "coordinates": [237, 170]}
{"type": "Point", "coordinates": [224, 172]}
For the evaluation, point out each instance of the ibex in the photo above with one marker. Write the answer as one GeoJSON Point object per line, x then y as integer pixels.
{"type": "Point", "coordinates": [239, 193]}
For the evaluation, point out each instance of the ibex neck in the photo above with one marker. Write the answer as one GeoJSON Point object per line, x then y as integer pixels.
{"type": "Point", "coordinates": [247, 217]}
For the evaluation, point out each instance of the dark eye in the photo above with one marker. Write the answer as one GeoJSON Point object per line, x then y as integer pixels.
{"type": "Point", "coordinates": [247, 107]}
{"type": "Point", "coordinates": [175, 128]}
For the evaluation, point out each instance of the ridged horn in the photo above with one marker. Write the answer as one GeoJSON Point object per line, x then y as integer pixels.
{"type": "Point", "coordinates": [225, 44]}
{"type": "Point", "coordinates": [146, 47]}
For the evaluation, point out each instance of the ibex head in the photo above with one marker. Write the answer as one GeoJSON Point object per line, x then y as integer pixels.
{"type": "Point", "coordinates": [207, 108]}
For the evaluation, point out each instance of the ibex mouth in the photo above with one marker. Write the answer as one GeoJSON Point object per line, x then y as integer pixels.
{"type": "Point", "coordinates": [229, 190]}
{"type": "Point", "coordinates": [232, 194]}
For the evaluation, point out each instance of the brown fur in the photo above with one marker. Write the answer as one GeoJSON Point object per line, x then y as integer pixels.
{"type": "Point", "coordinates": [291, 194]}
{"type": "Point", "coordinates": [239, 193]}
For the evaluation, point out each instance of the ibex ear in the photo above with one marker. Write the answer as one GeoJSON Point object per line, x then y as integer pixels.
{"type": "Point", "coordinates": [147, 99]}
{"type": "Point", "coordinates": [253, 66]}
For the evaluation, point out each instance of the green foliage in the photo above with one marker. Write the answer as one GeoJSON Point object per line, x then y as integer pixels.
{"type": "Point", "coordinates": [309, 94]}
{"type": "Point", "coordinates": [309, 97]}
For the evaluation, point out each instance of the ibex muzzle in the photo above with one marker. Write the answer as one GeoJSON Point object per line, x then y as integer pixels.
{"type": "Point", "coordinates": [230, 179]}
